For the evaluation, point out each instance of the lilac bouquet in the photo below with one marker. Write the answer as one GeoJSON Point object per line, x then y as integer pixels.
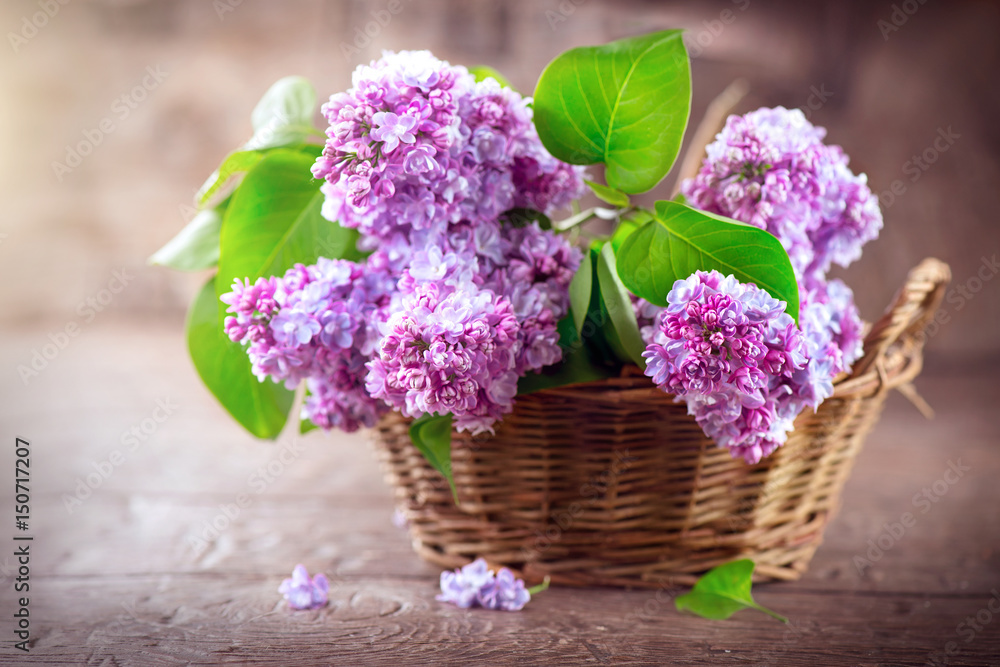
{"type": "Point", "coordinates": [411, 255]}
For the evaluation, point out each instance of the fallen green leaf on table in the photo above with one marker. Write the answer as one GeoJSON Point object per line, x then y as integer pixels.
{"type": "Point", "coordinates": [722, 592]}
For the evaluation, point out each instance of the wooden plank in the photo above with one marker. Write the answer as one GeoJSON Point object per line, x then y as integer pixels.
{"type": "Point", "coordinates": [222, 619]}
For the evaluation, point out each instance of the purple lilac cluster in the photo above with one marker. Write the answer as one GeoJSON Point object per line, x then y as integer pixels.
{"type": "Point", "coordinates": [316, 323]}
{"type": "Point", "coordinates": [770, 168]}
{"type": "Point", "coordinates": [742, 365]}
{"type": "Point", "coordinates": [305, 592]}
{"type": "Point", "coordinates": [448, 351]}
{"type": "Point", "coordinates": [472, 318]}
{"type": "Point", "coordinates": [722, 346]}
{"type": "Point", "coordinates": [454, 303]}
{"type": "Point", "coordinates": [417, 145]}
{"type": "Point", "coordinates": [476, 584]}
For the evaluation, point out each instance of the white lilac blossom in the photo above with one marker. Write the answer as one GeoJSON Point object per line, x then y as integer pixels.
{"type": "Point", "coordinates": [417, 144]}
{"type": "Point", "coordinates": [739, 362]}
{"type": "Point", "coordinates": [305, 592]}
{"type": "Point", "coordinates": [476, 584]}
{"type": "Point", "coordinates": [771, 169]}
{"type": "Point", "coordinates": [317, 323]}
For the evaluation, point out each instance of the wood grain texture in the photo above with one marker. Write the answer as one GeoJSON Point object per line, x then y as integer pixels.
{"type": "Point", "coordinates": [116, 582]}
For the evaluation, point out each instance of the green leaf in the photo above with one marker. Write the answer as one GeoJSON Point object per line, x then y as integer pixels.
{"type": "Point", "coordinates": [624, 104]}
{"type": "Point", "coordinates": [260, 407]}
{"type": "Point", "coordinates": [682, 240]}
{"type": "Point", "coordinates": [225, 179]}
{"type": "Point", "coordinates": [195, 247]}
{"type": "Point", "coordinates": [722, 592]}
{"type": "Point", "coordinates": [619, 307]}
{"type": "Point", "coordinates": [522, 217]}
{"type": "Point", "coordinates": [578, 363]}
{"type": "Point", "coordinates": [481, 72]}
{"type": "Point", "coordinates": [579, 291]}
{"type": "Point", "coordinates": [274, 222]}
{"type": "Point", "coordinates": [609, 195]}
{"type": "Point", "coordinates": [431, 434]}
{"type": "Point", "coordinates": [284, 115]}
{"type": "Point", "coordinates": [234, 165]}
{"type": "Point", "coordinates": [576, 367]}
{"type": "Point", "coordinates": [628, 225]}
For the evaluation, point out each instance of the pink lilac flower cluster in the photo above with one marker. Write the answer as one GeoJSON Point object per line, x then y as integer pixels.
{"type": "Point", "coordinates": [476, 584]}
{"type": "Point", "coordinates": [316, 323]}
{"type": "Point", "coordinates": [448, 351]}
{"type": "Point", "coordinates": [722, 346]}
{"type": "Point", "coordinates": [770, 168]}
{"type": "Point", "coordinates": [742, 365]}
{"type": "Point", "coordinates": [417, 145]}
{"type": "Point", "coordinates": [472, 319]}
{"type": "Point", "coordinates": [305, 592]}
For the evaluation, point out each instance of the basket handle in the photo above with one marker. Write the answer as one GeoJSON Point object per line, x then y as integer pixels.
{"type": "Point", "coordinates": [910, 313]}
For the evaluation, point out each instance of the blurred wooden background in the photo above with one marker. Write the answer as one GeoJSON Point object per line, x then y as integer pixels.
{"type": "Point", "coordinates": [886, 83]}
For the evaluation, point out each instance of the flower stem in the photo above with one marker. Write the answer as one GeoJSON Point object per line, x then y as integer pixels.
{"type": "Point", "coordinates": [540, 587]}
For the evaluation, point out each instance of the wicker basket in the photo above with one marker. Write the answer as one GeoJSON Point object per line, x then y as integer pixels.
{"type": "Point", "coordinates": [612, 483]}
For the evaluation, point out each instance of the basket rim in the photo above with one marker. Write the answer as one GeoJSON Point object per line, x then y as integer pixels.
{"type": "Point", "coordinates": [892, 348]}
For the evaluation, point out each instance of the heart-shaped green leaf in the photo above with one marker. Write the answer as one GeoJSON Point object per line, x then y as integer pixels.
{"type": "Point", "coordinates": [681, 240]}
{"type": "Point", "coordinates": [431, 434]}
{"type": "Point", "coordinates": [274, 222]}
{"type": "Point", "coordinates": [722, 592]}
{"type": "Point", "coordinates": [260, 407]}
{"type": "Point", "coordinates": [624, 104]}
{"type": "Point", "coordinates": [619, 307]}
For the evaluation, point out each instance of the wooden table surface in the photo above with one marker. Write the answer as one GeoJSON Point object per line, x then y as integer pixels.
{"type": "Point", "coordinates": [128, 570]}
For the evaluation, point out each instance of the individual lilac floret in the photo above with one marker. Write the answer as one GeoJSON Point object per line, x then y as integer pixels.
{"type": "Point", "coordinates": [770, 168]}
{"type": "Point", "coordinates": [317, 323]}
{"type": "Point", "coordinates": [303, 592]}
{"type": "Point", "coordinates": [476, 584]}
{"type": "Point", "coordinates": [419, 144]}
